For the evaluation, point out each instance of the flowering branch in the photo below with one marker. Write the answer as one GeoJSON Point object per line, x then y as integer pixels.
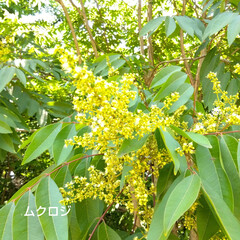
{"type": "Point", "coordinates": [56, 169]}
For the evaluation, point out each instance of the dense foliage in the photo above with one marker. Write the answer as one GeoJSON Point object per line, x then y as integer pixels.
{"type": "Point", "coordinates": [119, 120]}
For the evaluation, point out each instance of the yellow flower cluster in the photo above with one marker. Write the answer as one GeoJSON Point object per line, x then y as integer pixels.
{"type": "Point", "coordinates": [189, 217]}
{"type": "Point", "coordinates": [237, 68]}
{"type": "Point", "coordinates": [224, 114]}
{"type": "Point", "coordinates": [103, 105]}
{"type": "Point", "coordinates": [187, 148]}
{"type": "Point", "coordinates": [4, 51]}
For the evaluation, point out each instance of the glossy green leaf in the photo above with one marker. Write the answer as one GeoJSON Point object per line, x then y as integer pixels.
{"type": "Point", "coordinates": [163, 75]}
{"type": "Point", "coordinates": [4, 128]}
{"type": "Point", "coordinates": [166, 178]}
{"type": "Point", "coordinates": [130, 145]}
{"type": "Point", "coordinates": [224, 181]}
{"type": "Point", "coordinates": [156, 228]}
{"type": "Point", "coordinates": [63, 176]}
{"type": "Point", "coordinates": [104, 232]}
{"type": "Point", "coordinates": [207, 225]}
{"type": "Point", "coordinates": [25, 220]}
{"type": "Point", "coordinates": [6, 214]}
{"type": "Point", "coordinates": [238, 158]}
{"type": "Point", "coordinates": [217, 23]}
{"type": "Point", "coordinates": [171, 85]}
{"type": "Point", "coordinates": [185, 91]}
{"type": "Point", "coordinates": [170, 26]}
{"type": "Point", "coordinates": [48, 197]}
{"type": "Point", "coordinates": [228, 221]}
{"type": "Point", "coordinates": [82, 168]}
{"type": "Point", "coordinates": [151, 26]}
{"type": "Point", "coordinates": [180, 200]}
{"type": "Point", "coordinates": [171, 145]}
{"type": "Point", "coordinates": [43, 139]}
{"type": "Point", "coordinates": [6, 143]}
{"type": "Point", "coordinates": [88, 212]}
{"type": "Point", "coordinates": [21, 76]}
{"type": "Point", "coordinates": [233, 29]}
{"type": "Point", "coordinates": [195, 137]}
{"type": "Point", "coordinates": [207, 170]}
{"type": "Point", "coordinates": [186, 24]}
{"type": "Point", "coordinates": [60, 151]}
{"type": "Point", "coordinates": [232, 172]}
{"type": "Point", "coordinates": [6, 75]}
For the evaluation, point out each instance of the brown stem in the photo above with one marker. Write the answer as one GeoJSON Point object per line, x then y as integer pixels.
{"type": "Point", "coordinates": [220, 133]}
{"type": "Point", "coordinates": [56, 169]}
{"type": "Point", "coordinates": [83, 14]}
{"type": "Point", "coordinates": [72, 30]}
{"type": "Point", "coordinates": [103, 215]}
{"type": "Point", "coordinates": [150, 46]}
{"type": "Point", "coordinates": [140, 26]}
{"type": "Point", "coordinates": [183, 49]}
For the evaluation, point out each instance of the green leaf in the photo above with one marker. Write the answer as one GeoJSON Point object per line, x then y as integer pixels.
{"type": "Point", "coordinates": [166, 178]}
{"type": "Point", "coordinates": [130, 145]}
{"type": "Point", "coordinates": [156, 227]}
{"type": "Point", "coordinates": [186, 24]}
{"type": "Point", "coordinates": [238, 157]}
{"type": "Point", "coordinates": [151, 26]}
{"type": "Point", "coordinates": [6, 143]}
{"type": "Point", "coordinates": [233, 29]}
{"type": "Point", "coordinates": [21, 76]}
{"type": "Point", "coordinates": [60, 151]}
{"type": "Point", "coordinates": [170, 26]}
{"type": "Point", "coordinates": [63, 176]}
{"type": "Point", "coordinates": [6, 214]}
{"type": "Point", "coordinates": [217, 23]}
{"type": "Point", "coordinates": [6, 75]}
{"type": "Point", "coordinates": [226, 218]}
{"type": "Point", "coordinates": [171, 85]}
{"type": "Point", "coordinates": [163, 75]}
{"type": "Point", "coordinates": [104, 232]}
{"type": "Point", "coordinates": [171, 145]}
{"type": "Point", "coordinates": [207, 225]}
{"type": "Point", "coordinates": [28, 227]}
{"type": "Point", "coordinates": [4, 128]}
{"type": "Point", "coordinates": [88, 212]}
{"type": "Point", "coordinates": [232, 172]}
{"type": "Point", "coordinates": [207, 170]}
{"type": "Point", "coordinates": [82, 168]}
{"type": "Point", "coordinates": [185, 90]}
{"type": "Point", "coordinates": [180, 200]}
{"type": "Point", "coordinates": [48, 195]}
{"type": "Point", "coordinates": [195, 137]}
{"type": "Point", "coordinates": [43, 139]}
{"type": "Point", "coordinates": [225, 184]}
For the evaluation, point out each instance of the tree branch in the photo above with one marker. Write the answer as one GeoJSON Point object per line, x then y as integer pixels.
{"type": "Point", "coordinates": [85, 20]}
{"type": "Point", "coordinates": [140, 26]}
{"type": "Point", "coordinates": [150, 46]}
{"type": "Point", "coordinates": [72, 30]}
{"type": "Point", "coordinates": [183, 49]}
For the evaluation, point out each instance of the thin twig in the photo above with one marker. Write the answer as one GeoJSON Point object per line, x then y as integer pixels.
{"type": "Point", "coordinates": [72, 30]}
{"type": "Point", "coordinates": [85, 20]}
{"type": "Point", "coordinates": [220, 133]}
{"type": "Point", "coordinates": [103, 215]}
